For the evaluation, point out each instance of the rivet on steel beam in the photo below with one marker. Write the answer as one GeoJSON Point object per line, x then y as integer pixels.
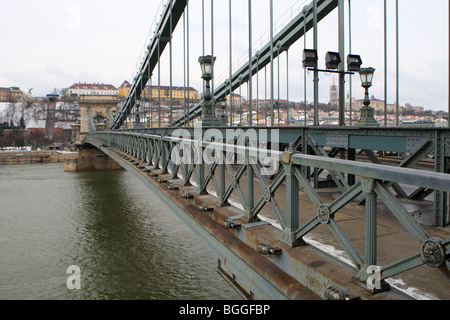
{"type": "Point", "coordinates": [172, 187]}
{"type": "Point", "coordinates": [151, 174]}
{"type": "Point", "coordinates": [228, 224]}
{"type": "Point", "coordinates": [187, 195]}
{"type": "Point", "coordinates": [266, 249]}
{"type": "Point", "coordinates": [335, 294]}
{"type": "Point", "coordinates": [161, 180]}
{"type": "Point", "coordinates": [204, 207]}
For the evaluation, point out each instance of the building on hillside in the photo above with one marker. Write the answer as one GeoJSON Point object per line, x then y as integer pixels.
{"type": "Point", "coordinates": [237, 100]}
{"type": "Point", "coordinates": [375, 103]}
{"type": "Point", "coordinates": [413, 110]}
{"type": "Point", "coordinates": [124, 89]}
{"type": "Point", "coordinates": [162, 92]}
{"type": "Point", "coordinates": [91, 89]}
{"type": "Point", "coordinates": [11, 94]}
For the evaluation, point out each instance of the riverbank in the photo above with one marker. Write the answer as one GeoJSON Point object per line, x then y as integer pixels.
{"type": "Point", "coordinates": [30, 157]}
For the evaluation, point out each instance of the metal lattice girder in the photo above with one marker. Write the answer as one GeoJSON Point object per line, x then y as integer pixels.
{"type": "Point", "coordinates": [438, 181]}
{"type": "Point", "coordinates": [421, 151]}
{"type": "Point", "coordinates": [337, 177]}
{"type": "Point", "coordinates": [325, 214]}
{"type": "Point", "coordinates": [399, 190]}
{"type": "Point", "coordinates": [268, 193]}
{"type": "Point", "coordinates": [401, 140]}
{"type": "Point", "coordinates": [372, 177]}
{"type": "Point", "coordinates": [441, 165]}
{"type": "Point", "coordinates": [420, 193]}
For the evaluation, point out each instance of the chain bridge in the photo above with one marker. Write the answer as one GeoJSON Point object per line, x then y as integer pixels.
{"type": "Point", "coordinates": [299, 210]}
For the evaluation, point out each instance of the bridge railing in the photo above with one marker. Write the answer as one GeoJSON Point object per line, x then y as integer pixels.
{"type": "Point", "coordinates": [256, 176]}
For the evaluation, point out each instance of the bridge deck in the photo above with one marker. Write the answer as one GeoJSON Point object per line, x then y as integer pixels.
{"type": "Point", "coordinates": [330, 261]}
{"type": "Point", "coordinates": [393, 240]}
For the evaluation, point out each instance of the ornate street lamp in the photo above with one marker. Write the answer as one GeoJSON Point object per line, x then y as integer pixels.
{"type": "Point", "coordinates": [367, 112]}
{"type": "Point", "coordinates": [207, 67]}
{"type": "Point", "coordinates": [366, 77]}
{"type": "Point", "coordinates": [137, 121]}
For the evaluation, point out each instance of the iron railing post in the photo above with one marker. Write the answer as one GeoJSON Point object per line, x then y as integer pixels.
{"type": "Point", "coordinates": [440, 197]}
{"type": "Point", "coordinates": [292, 200]}
{"type": "Point", "coordinates": [221, 199]}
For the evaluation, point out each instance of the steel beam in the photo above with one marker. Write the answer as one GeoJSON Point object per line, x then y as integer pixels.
{"type": "Point", "coordinates": [167, 24]}
{"type": "Point", "coordinates": [258, 275]}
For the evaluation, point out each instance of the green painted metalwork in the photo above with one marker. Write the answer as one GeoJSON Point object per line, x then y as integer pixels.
{"type": "Point", "coordinates": [373, 182]}
{"type": "Point", "coordinates": [412, 144]}
{"type": "Point", "coordinates": [168, 22]}
{"type": "Point", "coordinates": [309, 152]}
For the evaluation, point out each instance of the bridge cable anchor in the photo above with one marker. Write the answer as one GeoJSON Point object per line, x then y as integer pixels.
{"type": "Point", "coordinates": [186, 195]}
{"type": "Point", "coordinates": [204, 207]}
{"type": "Point", "coordinates": [333, 293]}
{"type": "Point", "coordinates": [229, 224]}
{"type": "Point", "coordinates": [266, 249]}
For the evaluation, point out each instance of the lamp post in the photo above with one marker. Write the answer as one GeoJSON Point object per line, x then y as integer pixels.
{"type": "Point", "coordinates": [207, 65]}
{"type": "Point", "coordinates": [137, 121]}
{"type": "Point", "coordinates": [367, 112]}
{"type": "Point", "coordinates": [50, 120]}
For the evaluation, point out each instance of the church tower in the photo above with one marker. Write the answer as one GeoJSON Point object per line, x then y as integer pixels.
{"type": "Point", "coordinates": [334, 97]}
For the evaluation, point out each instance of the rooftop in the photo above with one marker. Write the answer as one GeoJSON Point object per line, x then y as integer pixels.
{"type": "Point", "coordinates": [126, 84]}
{"type": "Point", "coordinates": [93, 86]}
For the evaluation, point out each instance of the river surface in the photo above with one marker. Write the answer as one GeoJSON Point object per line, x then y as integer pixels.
{"type": "Point", "coordinates": [123, 240]}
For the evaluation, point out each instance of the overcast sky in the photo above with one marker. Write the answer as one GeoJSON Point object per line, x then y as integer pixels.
{"type": "Point", "coordinates": [49, 44]}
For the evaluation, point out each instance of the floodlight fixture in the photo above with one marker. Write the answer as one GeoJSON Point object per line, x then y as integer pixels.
{"type": "Point", "coordinates": [310, 58]}
{"type": "Point", "coordinates": [332, 60]}
{"type": "Point", "coordinates": [354, 63]}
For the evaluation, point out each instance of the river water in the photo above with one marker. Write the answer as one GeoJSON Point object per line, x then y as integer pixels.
{"type": "Point", "coordinates": [123, 240]}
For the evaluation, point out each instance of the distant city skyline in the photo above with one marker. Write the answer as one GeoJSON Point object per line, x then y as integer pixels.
{"type": "Point", "coordinates": [52, 44]}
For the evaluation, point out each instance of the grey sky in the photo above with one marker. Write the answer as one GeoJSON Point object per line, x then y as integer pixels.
{"type": "Point", "coordinates": [50, 44]}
